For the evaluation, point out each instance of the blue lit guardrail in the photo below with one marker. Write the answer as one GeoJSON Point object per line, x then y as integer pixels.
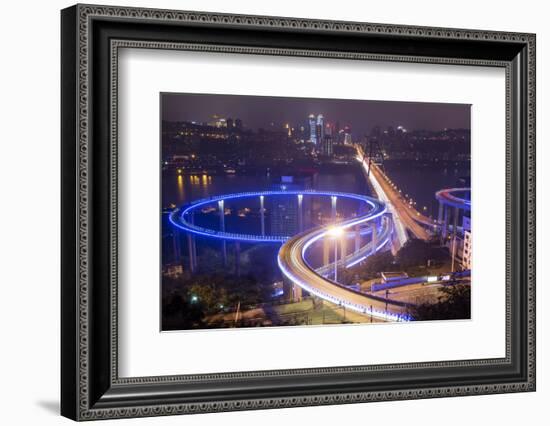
{"type": "Point", "coordinates": [181, 217]}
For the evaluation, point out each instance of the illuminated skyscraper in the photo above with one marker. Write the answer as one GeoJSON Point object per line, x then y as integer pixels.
{"type": "Point", "coordinates": [283, 211]}
{"type": "Point", "coordinates": [312, 129]}
{"type": "Point", "coordinates": [320, 129]}
{"type": "Point", "coordinates": [326, 146]}
{"type": "Point", "coordinates": [347, 136]}
{"type": "Point", "coordinates": [327, 142]}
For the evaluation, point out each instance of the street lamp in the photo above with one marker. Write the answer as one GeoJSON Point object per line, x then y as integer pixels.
{"type": "Point", "coordinates": [335, 232]}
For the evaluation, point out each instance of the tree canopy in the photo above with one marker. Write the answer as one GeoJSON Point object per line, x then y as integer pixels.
{"type": "Point", "coordinates": [454, 303]}
{"type": "Point", "coordinates": [417, 252]}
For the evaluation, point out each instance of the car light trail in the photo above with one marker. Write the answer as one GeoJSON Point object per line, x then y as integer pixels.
{"type": "Point", "coordinates": [449, 197]}
{"type": "Point", "coordinates": [398, 224]}
{"type": "Point", "coordinates": [292, 254]}
{"type": "Point", "coordinates": [180, 217]}
{"type": "Point", "coordinates": [292, 262]}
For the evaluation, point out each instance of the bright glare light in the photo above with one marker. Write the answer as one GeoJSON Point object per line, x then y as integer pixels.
{"type": "Point", "coordinates": [432, 279]}
{"type": "Point", "coordinates": [335, 231]}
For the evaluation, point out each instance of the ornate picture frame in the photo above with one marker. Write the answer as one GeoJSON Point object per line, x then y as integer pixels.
{"type": "Point", "coordinates": [91, 37]}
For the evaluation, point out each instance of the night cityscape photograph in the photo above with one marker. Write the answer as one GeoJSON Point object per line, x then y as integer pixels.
{"type": "Point", "coordinates": [279, 211]}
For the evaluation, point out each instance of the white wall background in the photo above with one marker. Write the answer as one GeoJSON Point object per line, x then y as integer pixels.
{"type": "Point", "coordinates": [29, 211]}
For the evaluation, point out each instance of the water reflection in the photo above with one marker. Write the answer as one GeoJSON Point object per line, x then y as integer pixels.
{"type": "Point", "coordinates": [421, 182]}
{"type": "Point", "coordinates": [181, 194]}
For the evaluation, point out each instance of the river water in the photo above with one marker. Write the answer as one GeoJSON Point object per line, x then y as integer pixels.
{"type": "Point", "coordinates": [417, 181]}
{"type": "Point", "coordinates": [242, 216]}
{"type": "Point", "coordinates": [421, 181]}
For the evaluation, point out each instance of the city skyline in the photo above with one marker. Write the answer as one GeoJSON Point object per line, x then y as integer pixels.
{"type": "Point", "coordinates": [361, 115]}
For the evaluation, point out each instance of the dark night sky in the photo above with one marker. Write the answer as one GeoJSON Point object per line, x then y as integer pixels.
{"type": "Point", "coordinates": [260, 111]}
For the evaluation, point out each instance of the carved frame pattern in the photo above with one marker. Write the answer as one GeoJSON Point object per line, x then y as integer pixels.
{"type": "Point", "coordinates": [85, 14]}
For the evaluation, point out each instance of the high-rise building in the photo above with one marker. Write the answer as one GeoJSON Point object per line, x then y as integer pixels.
{"type": "Point", "coordinates": [326, 146]}
{"type": "Point", "coordinates": [312, 129]}
{"type": "Point", "coordinates": [283, 216]}
{"type": "Point", "coordinates": [327, 142]}
{"type": "Point", "coordinates": [467, 244]}
{"type": "Point", "coordinates": [320, 128]}
{"type": "Point", "coordinates": [284, 211]}
{"type": "Point", "coordinates": [347, 136]}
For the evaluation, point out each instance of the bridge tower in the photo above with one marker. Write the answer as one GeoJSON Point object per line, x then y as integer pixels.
{"type": "Point", "coordinates": [374, 150]}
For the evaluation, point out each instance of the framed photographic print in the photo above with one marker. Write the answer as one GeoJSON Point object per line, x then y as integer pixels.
{"type": "Point", "coordinates": [263, 212]}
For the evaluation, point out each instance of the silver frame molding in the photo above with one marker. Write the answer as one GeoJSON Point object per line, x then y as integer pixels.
{"type": "Point", "coordinates": [91, 39]}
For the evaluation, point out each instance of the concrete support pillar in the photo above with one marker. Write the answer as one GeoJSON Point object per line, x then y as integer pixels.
{"type": "Point", "coordinates": [326, 242]}
{"type": "Point", "coordinates": [238, 258]}
{"type": "Point", "coordinates": [262, 214]}
{"type": "Point", "coordinates": [455, 221]}
{"type": "Point", "coordinates": [288, 290]}
{"type": "Point", "coordinates": [334, 199]}
{"type": "Point", "coordinates": [195, 260]}
{"type": "Point", "coordinates": [357, 238]}
{"type": "Point", "coordinates": [445, 227]}
{"type": "Point", "coordinates": [335, 259]}
{"type": "Point", "coordinates": [178, 248]}
{"type": "Point", "coordinates": [193, 246]}
{"type": "Point", "coordinates": [453, 238]}
{"type": "Point", "coordinates": [374, 236]}
{"type": "Point", "coordinates": [181, 249]}
{"type": "Point", "coordinates": [224, 252]}
{"type": "Point", "coordinates": [221, 210]}
{"type": "Point", "coordinates": [300, 213]}
{"type": "Point", "coordinates": [176, 245]}
{"type": "Point", "coordinates": [344, 248]}
{"type": "Point", "coordinates": [440, 213]}
{"type": "Point", "coordinates": [191, 251]}
{"type": "Point", "coordinates": [296, 293]}
{"type": "Point", "coordinates": [440, 221]}
{"type": "Point", "coordinates": [312, 216]}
